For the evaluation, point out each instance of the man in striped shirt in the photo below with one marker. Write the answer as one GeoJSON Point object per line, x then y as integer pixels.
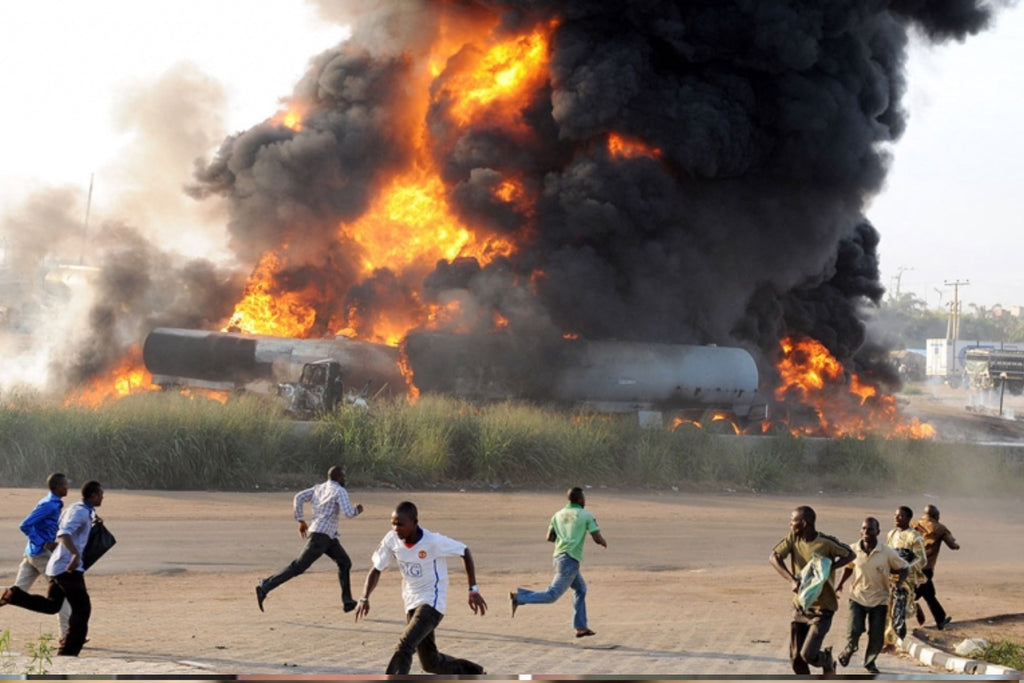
{"type": "Point", "coordinates": [328, 501]}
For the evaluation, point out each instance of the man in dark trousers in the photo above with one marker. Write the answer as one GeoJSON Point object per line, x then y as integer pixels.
{"type": "Point", "coordinates": [935, 534]}
{"type": "Point", "coordinates": [869, 593]}
{"type": "Point", "coordinates": [329, 501]}
{"type": "Point", "coordinates": [65, 571]}
{"type": "Point", "coordinates": [810, 624]}
{"type": "Point", "coordinates": [422, 555]}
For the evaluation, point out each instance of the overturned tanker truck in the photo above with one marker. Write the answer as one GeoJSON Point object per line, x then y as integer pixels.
{"type": "Point", "coordinates": [311, 375]}
{"type": "Point", "coordinates": [648, 379]}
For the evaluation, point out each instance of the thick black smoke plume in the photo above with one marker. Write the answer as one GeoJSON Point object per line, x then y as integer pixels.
{"type": "Point", "coordinates": [771, 119]}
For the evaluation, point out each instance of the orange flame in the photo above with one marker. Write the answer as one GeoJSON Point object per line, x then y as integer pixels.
{"type": "Point", "coordinates": [504, 73]}
{"type": "Point", "coordinates": [629, 148]}
{"type": "Point", "coordinates": [267, 309]}
{"type": "Point", "coordinates": [843, 406]}
{"type": "Point", "coordinates": [211, 394]}
{"type": "Point", "coordinates": [411, 226]}
{"type": "Point", "coordinates": [290, 118]}
{"type": "Point", "coordinates": [406, 370]}
{"type": "Point", "coordinates": [128, 376]}
{"type": "Point", "coordinates": [720, 419]}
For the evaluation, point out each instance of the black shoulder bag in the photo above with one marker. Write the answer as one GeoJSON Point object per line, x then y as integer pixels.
{"type": "Point", "coordinates": [100, 541]}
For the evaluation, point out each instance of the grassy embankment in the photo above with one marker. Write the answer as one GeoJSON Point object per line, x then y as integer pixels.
{"type": "Point", "coordinates": [167, 441]}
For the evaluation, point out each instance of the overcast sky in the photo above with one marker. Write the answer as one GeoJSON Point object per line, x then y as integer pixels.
{"type": "Point", "coordinates": [950, 211]}
{"type": "Point", "coordinates": [952, 207]}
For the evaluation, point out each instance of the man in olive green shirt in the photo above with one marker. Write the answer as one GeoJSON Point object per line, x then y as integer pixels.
{"type": "Point", "coordinates": [810, 626]}
{"type": "Point", "coordinates": [568, 530]}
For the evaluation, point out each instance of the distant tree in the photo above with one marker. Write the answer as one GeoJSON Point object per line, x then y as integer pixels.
{"type": "Point", "coordinates": [904, 322]}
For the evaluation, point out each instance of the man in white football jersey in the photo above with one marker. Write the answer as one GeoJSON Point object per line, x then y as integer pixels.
{"type": "Point", "coordinates": [422, 558]}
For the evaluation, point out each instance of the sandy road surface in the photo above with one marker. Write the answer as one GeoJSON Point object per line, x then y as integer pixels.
{"type": "Point", "coordinates": [683, 589]}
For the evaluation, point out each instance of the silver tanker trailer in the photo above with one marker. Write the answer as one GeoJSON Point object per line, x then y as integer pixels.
{"type": "Point", "coordinates": [649, 379]}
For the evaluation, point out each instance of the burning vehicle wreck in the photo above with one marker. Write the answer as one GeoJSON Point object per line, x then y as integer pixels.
{"type": "Point", "coordinates": [319, 390]}
{"type": "Point", "coordinates": [311, 376]}
{"type": "Point", "coordinates": [607, 375]}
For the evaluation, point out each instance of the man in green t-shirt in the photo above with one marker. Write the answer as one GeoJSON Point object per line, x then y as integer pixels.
{"type": "Point", "coordinates": [568, 530]}
{"type": "Point", "coordinates": [810, 624]}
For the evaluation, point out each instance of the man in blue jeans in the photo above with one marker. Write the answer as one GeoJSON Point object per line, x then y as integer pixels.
{"type": "Point", "coordinates": [568, 530]}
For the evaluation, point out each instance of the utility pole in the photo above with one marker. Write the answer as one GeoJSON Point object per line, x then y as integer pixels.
{"type": "Point", "coordinates": [953, 327]}
{"type": "Point", "coordinates": [85, 223]}
{"type": "Point", "coordinates": [898, 277]}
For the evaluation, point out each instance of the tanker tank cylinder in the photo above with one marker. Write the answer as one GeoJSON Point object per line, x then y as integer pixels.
{"type": "Point", "coordinates": [201, 355]}
{"type": "Point", "coordinates": [658, 375]}
{"type": "Point", "coordinates": [182, 356]}
{"type": "Point", "coordinates": [608, 375]}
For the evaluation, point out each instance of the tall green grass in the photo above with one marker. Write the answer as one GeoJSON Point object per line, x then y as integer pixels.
{"type": "Point", "coordinates": [168, 441]}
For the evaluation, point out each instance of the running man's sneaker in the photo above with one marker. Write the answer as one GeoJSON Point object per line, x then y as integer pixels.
{"type": "Point", "coordinates": [261, 594]}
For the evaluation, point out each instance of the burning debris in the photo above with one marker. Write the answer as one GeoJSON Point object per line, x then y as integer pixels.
{"type": "Point", "coordinates": [667, 172]}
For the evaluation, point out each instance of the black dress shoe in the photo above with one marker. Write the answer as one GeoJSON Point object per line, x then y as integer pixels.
{"type": "Point", "coordinates": [261, 595]}
{"type": "Point", "coordinates": [828, 665]}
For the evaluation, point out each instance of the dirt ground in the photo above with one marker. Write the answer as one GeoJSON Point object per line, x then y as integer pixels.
{"type": "Point", "coordinates": [960, 415]}
{"type": "Point", "coordinates": [683, 589]}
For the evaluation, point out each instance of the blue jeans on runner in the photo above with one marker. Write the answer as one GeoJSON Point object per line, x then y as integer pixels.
{"type": "Point", "coordinates": [567, 575]}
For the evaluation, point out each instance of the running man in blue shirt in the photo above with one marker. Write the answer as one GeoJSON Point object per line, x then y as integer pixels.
{"type": "Point", "coordinates": [40, 526]}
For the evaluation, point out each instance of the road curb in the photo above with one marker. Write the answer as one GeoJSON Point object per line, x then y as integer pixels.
{"type": "Point", "coordinates": [931, 656]}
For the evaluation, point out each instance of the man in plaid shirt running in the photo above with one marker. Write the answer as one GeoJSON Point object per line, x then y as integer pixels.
{"type": "Point", "coordinates": [328, 500]}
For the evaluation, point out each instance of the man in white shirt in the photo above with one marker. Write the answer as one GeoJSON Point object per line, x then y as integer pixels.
{"type": "Point", "coordinates": [329, 501]}
{"type": "Point", "coordinates": [422, 558]}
